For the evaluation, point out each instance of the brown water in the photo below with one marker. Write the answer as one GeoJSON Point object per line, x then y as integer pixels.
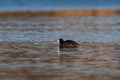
{"type": "Point", "coordinates": [29, 48]}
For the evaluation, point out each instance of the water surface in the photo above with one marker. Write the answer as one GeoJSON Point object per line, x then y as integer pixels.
{"type": "Point", "coordinates": [36, 5]}
{"type": "Point", "coordinates": [29, 48]}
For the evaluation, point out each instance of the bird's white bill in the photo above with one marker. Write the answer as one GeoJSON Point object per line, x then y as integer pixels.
{"type": "Point", "coordinates": [58, 41]}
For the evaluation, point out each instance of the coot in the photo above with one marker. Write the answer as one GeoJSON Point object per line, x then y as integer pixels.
{"type": "Point", "coordinates": [68, 43]}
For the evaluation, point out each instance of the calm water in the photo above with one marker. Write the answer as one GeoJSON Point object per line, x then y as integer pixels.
{"type": "Point", "coordinates": [33, 5]}
{"type": "Point", "coordinates": [29, 48]}
{"type": "Point", "coordinates": [91, 29]}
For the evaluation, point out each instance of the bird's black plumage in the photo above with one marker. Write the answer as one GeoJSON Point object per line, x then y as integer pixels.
{"type": "Point", "coordinates": [68, 43]}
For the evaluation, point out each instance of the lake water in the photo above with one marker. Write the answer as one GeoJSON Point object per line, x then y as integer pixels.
{"type": "Point", "coordinates": [33, 5]}
{"type": "Point", "coordinates": [29, 48]}
{"type": "Point", "coordinates": [91, 29]}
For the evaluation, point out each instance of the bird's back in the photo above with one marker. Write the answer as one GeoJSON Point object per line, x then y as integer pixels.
{"type": "Point", "coordinates": [71, 42]}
